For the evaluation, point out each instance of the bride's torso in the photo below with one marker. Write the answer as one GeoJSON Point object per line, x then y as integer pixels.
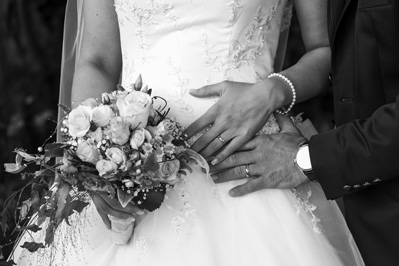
{"type": "Point", "coordinates": [177, 45]}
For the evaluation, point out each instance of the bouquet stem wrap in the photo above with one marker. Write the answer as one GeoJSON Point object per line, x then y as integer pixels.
{"type": "Point", "coordinates": [122, 229]}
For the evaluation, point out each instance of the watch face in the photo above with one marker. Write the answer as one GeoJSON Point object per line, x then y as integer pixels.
{"type": "Point", "coordinates": [303, 158]}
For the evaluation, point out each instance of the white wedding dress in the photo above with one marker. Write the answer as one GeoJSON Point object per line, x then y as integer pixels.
{"type": "Point", "coordinates": [177, 45]}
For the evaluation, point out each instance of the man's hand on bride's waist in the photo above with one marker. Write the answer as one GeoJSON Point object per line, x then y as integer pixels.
{"type": "Point", "coordinates": [267, 161]}
{"type": "Point", "coordinates": [242, 110]}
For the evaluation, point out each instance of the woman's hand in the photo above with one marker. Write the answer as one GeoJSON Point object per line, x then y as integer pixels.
{"type": "Point", "coordinates": [239, 114]}
{"type": "Point", "coordinates": [111, 206]}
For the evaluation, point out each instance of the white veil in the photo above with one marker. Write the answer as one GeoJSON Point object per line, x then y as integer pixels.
{"type": "Point", "coordinates": [73, 29]}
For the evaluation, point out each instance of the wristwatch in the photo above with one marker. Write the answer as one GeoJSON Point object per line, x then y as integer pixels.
{"type": "Point", "coordinates": [302, 160]}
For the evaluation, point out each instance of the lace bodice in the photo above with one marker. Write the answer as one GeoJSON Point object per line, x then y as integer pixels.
{"type": "Point", "coordinates": [177, 45]}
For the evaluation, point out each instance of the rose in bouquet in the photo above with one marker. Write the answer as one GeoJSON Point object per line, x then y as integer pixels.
{"type": "Point", "coordinates": [120, 145]}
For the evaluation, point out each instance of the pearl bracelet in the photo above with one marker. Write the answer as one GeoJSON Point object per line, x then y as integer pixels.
{"type": "Point", "coordinates": [281, 76]}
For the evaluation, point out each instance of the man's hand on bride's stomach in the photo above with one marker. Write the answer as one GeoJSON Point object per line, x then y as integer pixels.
{"type": "Point", "coordinates": [241, 111]}
{"type": "Point", "coordinates": [110, 206]}
{"type": "Point", "coordinates": [267, 161]}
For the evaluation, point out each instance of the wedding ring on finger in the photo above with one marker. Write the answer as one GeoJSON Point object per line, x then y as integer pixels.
{"type": "Point", "coordinates": [221, 139]}
{"type": "Point", "coordinates": [247, 175]}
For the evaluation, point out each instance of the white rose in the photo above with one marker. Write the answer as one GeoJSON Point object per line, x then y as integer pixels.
{"type": "Point", "coordinates": [116, 155]}
{"type": "Point", "coordinates": [102, 115]}
{"type": "Point", "coordinates": [79, 121]}
{"type": "Point", "coordinates": [87, 152]}
{"type": "Point", "coordinates": [119, 130]}
{"type": "Point", "coordinates": [90, 102]}
{"type": "Point", "coordinates": [136, 107]}
{"type": "Point", "coordinates": [168, 170]}
{"type": "Point", "coordinates": [105, 167]}
{"type": "Point", "coordinates": [165, 126]}
{"type": "Point", "coordinates": [138, 137]}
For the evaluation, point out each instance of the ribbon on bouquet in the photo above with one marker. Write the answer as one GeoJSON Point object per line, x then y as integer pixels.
{"type": "Point", "coordinates": [121, 229]}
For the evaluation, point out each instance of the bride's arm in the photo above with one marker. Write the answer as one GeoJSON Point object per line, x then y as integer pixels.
{"type": "Point", "coordinates": [98, 69]}
{"type": "Point", "coordinates": [99, 62]}
{"type": "Point", "coordinates": [310, 74]}
{"type": "Point", "coordinates": [244, 108]}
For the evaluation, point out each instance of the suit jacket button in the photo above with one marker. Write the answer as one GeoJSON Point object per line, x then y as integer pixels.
{"type": "Point", "coordinates": [344, 100]}
{"type": "Point", "coordinates": [357, 186]}
{"type": "Point", "coordinates": [347, 188]}
{"type": "Point", "coordinates": [377, 180]}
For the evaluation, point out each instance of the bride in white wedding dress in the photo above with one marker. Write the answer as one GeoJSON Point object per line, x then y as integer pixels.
{"type": "Point", "coordinates": [178, 45]}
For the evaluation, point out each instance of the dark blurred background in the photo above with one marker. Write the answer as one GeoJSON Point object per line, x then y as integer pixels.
{"type": "Point", "coordinates": [30, 57]}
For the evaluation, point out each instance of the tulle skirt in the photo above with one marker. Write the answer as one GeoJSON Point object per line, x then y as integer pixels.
{"type": "Point", "coordinates": [200, 224]}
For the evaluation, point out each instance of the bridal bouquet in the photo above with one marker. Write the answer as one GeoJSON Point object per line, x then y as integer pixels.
{"type": "Point", "coordinates": [120, 145]}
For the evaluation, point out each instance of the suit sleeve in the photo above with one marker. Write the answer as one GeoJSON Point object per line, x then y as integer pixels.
{"type": "Point", "coordinates": [359, 154]}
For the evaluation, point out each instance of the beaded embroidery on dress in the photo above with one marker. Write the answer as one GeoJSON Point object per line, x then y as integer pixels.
{"type": "Point", "coordinates": [177, 45]}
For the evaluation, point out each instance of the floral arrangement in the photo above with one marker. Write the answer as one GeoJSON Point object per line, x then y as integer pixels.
{"type": "Point", "coordinates": [120, 145]}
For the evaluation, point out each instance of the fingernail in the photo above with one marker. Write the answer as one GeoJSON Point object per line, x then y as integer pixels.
{"type": "Point", "coordinates": [214, 161]}
{"type": "Point", "coordinates": [214, 177]}
{"type": "Point", "coordinates": [232, 193]}
{"type": "Point", "coordinates": [139, 212]}
{"type": "Point", "coordinates": [191, 90]}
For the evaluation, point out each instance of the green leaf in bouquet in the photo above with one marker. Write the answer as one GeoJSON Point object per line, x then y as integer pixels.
{"type": "Point", "coordinates": [17, 167]}
{"type": "Point", "coordinates": [49, 238]}
{"type": "Point", "coordinates": [70, 179]}
{"type": "Point", "coordinates": [63, 200]}
{"type": "Point", "coordinates": [28, 157]}
{"type": "Point", "coordinates": [55, 149]}
{"type": "Point", "coordinates": [138, 84]}
{"type": "Point", "coordinates": [93, 127]}
{"type": "Point", "coordinates": [123, 196]}
{"type": "Point", "coordinates": [112, 177]}
{"type": "Point", "coordinates": [32, 227]}
{"type": "Point", "coordinates": [35, 200]}
{"type": "Point", "coordinates": [150, 199]}
{"type": "Point", "coordinates": [78, 206]}
{"type": "Point", "coordinates": [32, 246]}
{"type": "Point", "coordinates": [71, 206]}
{"type": "Point", "coordinates": [66, 211]}
{"type": "Point", "coordinates": [4, 221]}
{"type": "Point", "coordinates": [18, 158]}
{"type": "Point", "coordinates": [120, 87]}
{"type": "Point", "coordinates": [151, 163]}
{"type": "Point", "coordinates": [41, 220]}
{"type": "Point", "coordinates": [179, 142]}
{"type": "Point", "coordinates": [14, 168]}
{"type": "Point", "coordinates": [24, 209]}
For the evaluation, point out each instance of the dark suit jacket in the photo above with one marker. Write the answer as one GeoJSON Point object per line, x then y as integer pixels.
{"type": "Point", "coordinates": [359, 160]}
